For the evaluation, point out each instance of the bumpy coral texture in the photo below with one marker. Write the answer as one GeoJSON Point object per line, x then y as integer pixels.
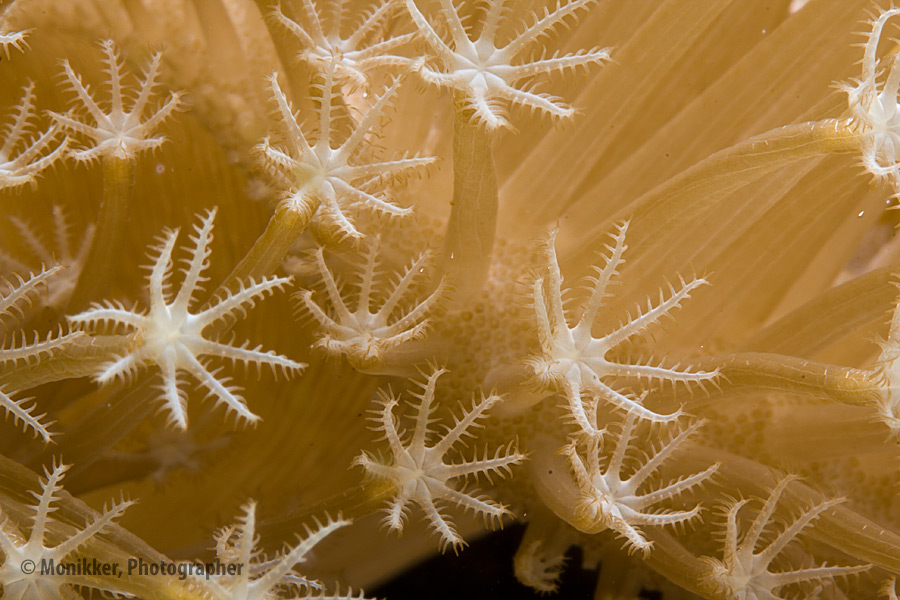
{"type": "Point", "coordinates": [622, 272]}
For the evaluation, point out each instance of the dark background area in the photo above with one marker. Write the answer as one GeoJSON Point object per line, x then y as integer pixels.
{"type": "Point", "coordinates": [485, 570]}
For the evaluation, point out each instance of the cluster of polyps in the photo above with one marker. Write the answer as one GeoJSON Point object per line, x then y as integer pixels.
{"type": "Point", "coordinates": [326, 169]}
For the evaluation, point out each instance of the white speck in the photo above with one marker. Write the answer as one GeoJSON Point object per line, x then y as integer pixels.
{"type": "Point", "coordinates": [160, 169]}
{"type": "Point", "coordinates": [861, 213]}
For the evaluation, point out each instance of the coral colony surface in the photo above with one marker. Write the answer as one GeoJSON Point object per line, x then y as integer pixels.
{"type": "Point", "coordinates": [298, 293]}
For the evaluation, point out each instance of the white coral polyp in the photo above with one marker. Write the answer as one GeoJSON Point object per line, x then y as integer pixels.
{"type": "Point", "coordinates": [20, 583]}
{"type": "Point", "coordinates": [490, 74]}
{"type": "Point", "coordinates": [118, 132]}
{"type": "Point", "coordinates": [353, 56]}
{"type": "Point", "coordinates": [885, 373]}
{"type": "Point", "coordinates": [368, 333]}
{"type": "Point", "coordinates": [578, 364]}
{"type": "Point", "coordinates": [745, 573]}
{"type": "Point", "coordinates": [610, 498]}
{"type": "Point", "coordinates": [262, 579]}
{"type": "Point", "coordinates": [329, 181]}
{"type": "Point", "coordinates": [421, 473]}
{"type": "Point", "coordinates": [24, 156]}
{"type": "Point", "coordinates": [875, 113]}
{"type": "Point", "coordinates": [173, 338]}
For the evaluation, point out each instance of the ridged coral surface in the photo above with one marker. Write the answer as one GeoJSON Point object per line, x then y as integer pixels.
{"type": "Point", "coordinates": [319, 288]}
